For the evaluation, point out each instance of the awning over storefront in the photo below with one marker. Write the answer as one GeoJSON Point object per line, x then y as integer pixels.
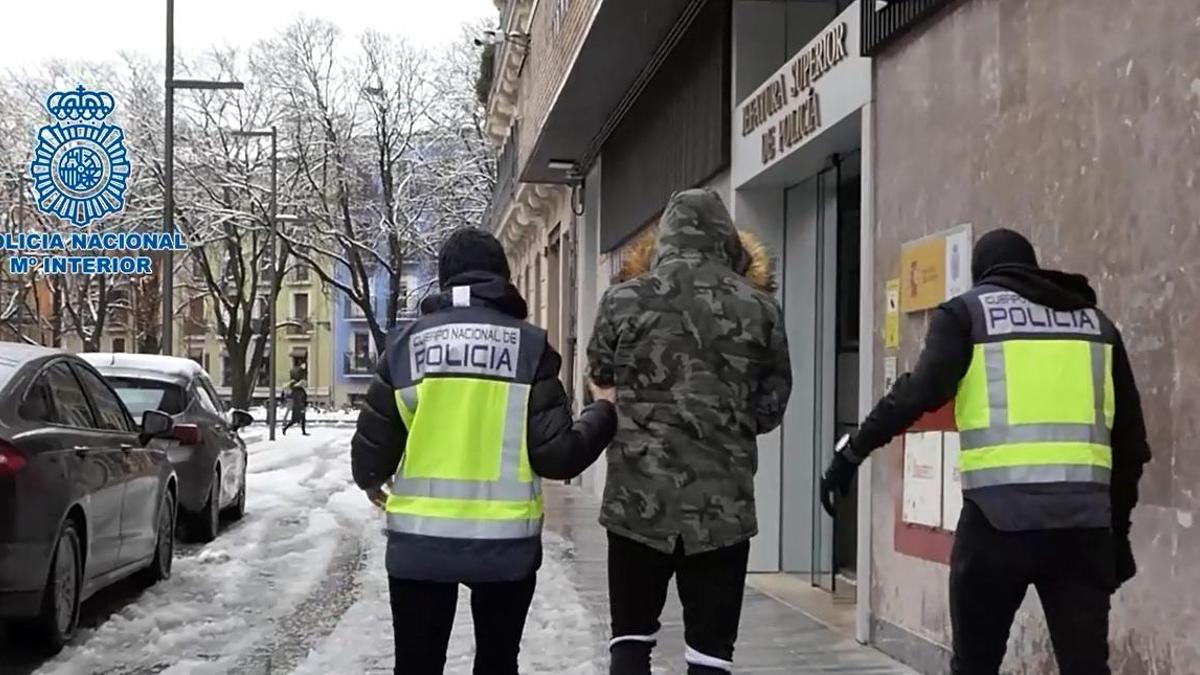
{"type": "Point", "coordinates": [627, 43]}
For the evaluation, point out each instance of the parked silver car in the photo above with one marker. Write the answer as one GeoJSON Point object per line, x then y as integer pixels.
{"type": "Point", "coordinates": [208, 454]}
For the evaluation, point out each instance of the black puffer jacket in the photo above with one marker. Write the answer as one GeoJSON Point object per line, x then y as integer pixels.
{"type": "Point", "coordinates": [558, 447]}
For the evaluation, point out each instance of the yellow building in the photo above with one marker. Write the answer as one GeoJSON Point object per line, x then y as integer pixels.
{"type": "Point", "coordinates": [304, 339]}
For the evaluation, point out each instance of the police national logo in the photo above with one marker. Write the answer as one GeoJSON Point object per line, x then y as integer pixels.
{"type": "Point", "coordinates": [80, 167]}
{"type": "Point", "coordinates": [465, 349]}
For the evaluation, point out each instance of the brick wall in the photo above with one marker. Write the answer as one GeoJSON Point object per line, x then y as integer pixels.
{"type": "Point", "coordinates": [552, 51]}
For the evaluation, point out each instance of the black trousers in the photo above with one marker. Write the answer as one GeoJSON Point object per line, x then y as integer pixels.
{"type": "Point", "coordinates": [710, 588]}
{"type": "Point", "coordinates": [297, 417]}
{"type": "Point", "coordinates": [423, 616]}
{"type": "Point", "coordinates": [1074, 574]}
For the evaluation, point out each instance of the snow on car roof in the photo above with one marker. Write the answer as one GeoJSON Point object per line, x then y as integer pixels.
{"type": "Point", "coordinates": [21, 351]}
{"type": "Point", "coordinates": [174, 367]}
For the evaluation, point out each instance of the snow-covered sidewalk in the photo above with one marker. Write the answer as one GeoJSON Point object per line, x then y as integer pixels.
{"type": "Point", "coordinates": [344, 417]}
{"type": "Point", "coordinates": [560, 634]}
{"type": "Point", "coordinates": [299, 587]}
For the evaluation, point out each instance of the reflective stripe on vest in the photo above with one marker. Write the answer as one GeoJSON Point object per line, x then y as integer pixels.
{"type": "Point", "coordinates": [465, 477]}
{"type": "Point", "coordinates": [1036, 411]}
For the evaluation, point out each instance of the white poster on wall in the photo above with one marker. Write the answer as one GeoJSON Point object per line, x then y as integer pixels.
{"type": "Point", "coordinates": [958, 261]}
{"type": "Point", "coordinates": [923, 478]}
{"type": "Point", "coordinates": [952, 500]}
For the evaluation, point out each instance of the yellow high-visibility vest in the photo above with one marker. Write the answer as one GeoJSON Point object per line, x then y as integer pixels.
{"type": "Point", "coordinates": [1035, 413]}
{"type": "Point", "coordinates": [465, 472]}
{"type": "Point", "coordinates": [464, 503]}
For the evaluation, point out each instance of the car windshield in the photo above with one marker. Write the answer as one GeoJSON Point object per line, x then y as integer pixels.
{"type": "Point", "coordinates": [141, 395]}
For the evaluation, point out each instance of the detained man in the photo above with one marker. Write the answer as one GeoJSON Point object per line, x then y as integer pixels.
{"type": "Point", "coordinates": [695, 346]}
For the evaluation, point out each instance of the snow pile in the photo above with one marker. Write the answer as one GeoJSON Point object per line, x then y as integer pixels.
{"type": "Point", "coordinates": [344, 416]}
{"type": "Point", "coordinates": [226, 597]}
{"type": "Point", "coordinates": [300, 586]}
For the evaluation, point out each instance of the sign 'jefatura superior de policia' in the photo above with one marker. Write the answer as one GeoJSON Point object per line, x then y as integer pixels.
{"type": "Point", "coordinates": [794, 89]}
{"type": "Point", "coordinates": [817, 87]}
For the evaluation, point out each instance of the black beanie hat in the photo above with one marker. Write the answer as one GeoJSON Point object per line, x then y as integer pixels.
{"type": "Point", "coordinates": [1000, 247]}
{"type": "Point", "coordinates": [471, 250]}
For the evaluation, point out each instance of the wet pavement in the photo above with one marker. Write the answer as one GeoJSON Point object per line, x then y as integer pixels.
{"type": "Point", "coordinates": [301, 577]}
{"type": "Point", "coordinates": [774, 637]}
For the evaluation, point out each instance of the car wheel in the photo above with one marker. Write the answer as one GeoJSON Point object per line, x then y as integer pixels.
{"type": "Point", "coordinates": [55, 625]}
{"type": "Point", "coordinates": [207, 523]}
{"type": "Point", "coordinates": [164, 543]}
{"type": "Point", "coordinates": [238, 510]}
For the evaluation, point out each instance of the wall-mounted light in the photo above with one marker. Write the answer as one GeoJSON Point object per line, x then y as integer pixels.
{"type": "Point", "coordinates": [495, 37]}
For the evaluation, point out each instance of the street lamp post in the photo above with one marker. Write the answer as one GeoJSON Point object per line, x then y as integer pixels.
{"type": "Point", "coordinates": [170, 85]}
{"type": "Point", "coordinates": [273, 261]}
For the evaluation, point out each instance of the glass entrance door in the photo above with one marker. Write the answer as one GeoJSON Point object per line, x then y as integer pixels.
{"type": "Point", "coordinates": [825, 368]}
{"type": "Point", "coordinates": [846, 413]}
{"type": "Point", "coordinates": [810, 258]}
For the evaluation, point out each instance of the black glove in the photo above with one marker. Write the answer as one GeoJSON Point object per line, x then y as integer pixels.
{"type": "Point", "coordinates": [836, 479]}
{"type": "Point", "coordinates": [1126, 565]}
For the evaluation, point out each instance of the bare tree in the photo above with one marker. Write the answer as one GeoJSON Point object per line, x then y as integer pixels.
{"type": "Point", "coordinates": [61, 305]}
{"type": "Point", "coordinates": [224, 210]}
{"type": "Point", "coordinates": [383, 154]}
{"type": "Point", "coordinates": [387, 157]}
{"type": "Point", "coordinates": [31, 304]}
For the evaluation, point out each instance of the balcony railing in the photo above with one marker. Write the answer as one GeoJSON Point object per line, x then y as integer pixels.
{"type": "Point", "coordinates": [354, 310]}
{"type": "Point", "coordinates": [299, 325]}
{"type": "Point", "coordinates": [359, 364]}
{"type": "Point", "coordinates": [299, 275]}
{"type": "Point", "coordinates": [506, 178]}
{"type": "Point", "coordinates": [118, 317]}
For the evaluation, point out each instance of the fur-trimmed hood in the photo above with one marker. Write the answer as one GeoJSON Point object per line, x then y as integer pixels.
{"type": "Point", "coordinates": [656, 244]}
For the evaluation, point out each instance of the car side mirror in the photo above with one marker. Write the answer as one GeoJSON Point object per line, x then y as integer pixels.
{"type": "Point", "coordinates": [240, 419]}
{"type": "Point", "coordinates": [155, 424]}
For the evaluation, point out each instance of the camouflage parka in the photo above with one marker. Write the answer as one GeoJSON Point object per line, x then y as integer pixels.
{"type": "Point", "coordinates": [696, 348]}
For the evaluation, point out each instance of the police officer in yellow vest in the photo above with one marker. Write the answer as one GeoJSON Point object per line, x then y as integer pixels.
{"type": "Point", "coordinates": [464, 416]}
{"type": "Point", "coordinates": [1053, 445]}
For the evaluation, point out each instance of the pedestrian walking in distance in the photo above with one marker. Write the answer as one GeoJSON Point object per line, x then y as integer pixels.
{"type": "Point", "coordinates": [465, 415]}
{"type": "Point", "coordinates": [299, 408]}
{"type": "Point", "coordinates": [695, 346]}
{"type": "Point", "coordinates": [1053, 445]}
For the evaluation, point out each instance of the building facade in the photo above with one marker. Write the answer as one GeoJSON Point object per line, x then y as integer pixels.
{"type": "Point", "coordinates": [533, 210]}
{"type": "Point", "coordinates": [800, 84]}
{"type": "Point", "coordinates": [868, 144]}
{"type": "Point", "coordinates": [653, 98]}
{"type": "Point", "coordinates": [1076, 123]}
{"type": "Point", "coordinates": [304, 339]}
{"type": "Point", "coordinates": [356, 355]}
